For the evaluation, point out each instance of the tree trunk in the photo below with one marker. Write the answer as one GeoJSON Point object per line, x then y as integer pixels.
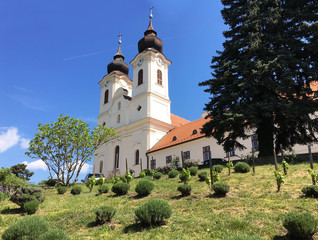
{"type": "Point", "coordinates": [265, 137]}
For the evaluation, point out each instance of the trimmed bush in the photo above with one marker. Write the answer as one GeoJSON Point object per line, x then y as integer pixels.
{"type": "Point", "coordinates": [54, 234]}
{"type": "Point", "coordinates": [27, 194]}
{"type": "Point", "coordinates": [185, 189]}
{"type": "Point", "coordinates": [217, 168]}
{"type": "Point", "coordinates": [190, 163]}
{"type": "Point", "coordinates": [300, 225]}
{"type": "Point", "coordinates": [155, 211]}
{"type": "Point", "coordinates": [103, 189]}
{"type": "Point", "coordinates": [310, 191]}
{"type": "Point", "coordinates": [193, 171]}
{"type": "Point", "coordinates": [220, 188]}
{"type": "Point", "coordinates": [242, 167]}
{"type": "Point", "coordinates": [173, 174]}
{"type": "Point", "coordinates": [165, 169]}
{"type": "Point", "coordinates": [157, 175]}
{"type": "Point", "coordinates": [51, 182]}
{"type": "Point", "coordinates": [202, 176]}
{"type": "Point", "coordinates": [61, 189]}
{"type": "Point", "coordinates": [147, 172]}
{"type": "Point", "coordinates": [31, 207]}
{"type": "Point", "coordinates": [120, 188]}
{"type": "Point", "coordinates": [144, 188]}
{"type": "Point", "coordinates": [243, 237]}
{"type": "Point", "coordinates": [76, 190]}
{"type": "Point", "coordinates": [28, 228]}
{"type": "Point", "coordinates": [104, 214]}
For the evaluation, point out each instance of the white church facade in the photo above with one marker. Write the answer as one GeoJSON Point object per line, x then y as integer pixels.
{"type": "Point", "coordinates": [139, 109]}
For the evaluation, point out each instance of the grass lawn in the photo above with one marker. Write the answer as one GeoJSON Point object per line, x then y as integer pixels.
{"type": "Point", "coordinates": [252, 207]}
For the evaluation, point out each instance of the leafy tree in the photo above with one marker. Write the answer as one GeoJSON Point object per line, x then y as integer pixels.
{"type": "Point", "coordinates": [21, 172]}
{"type": "Point", "coordinates": [261, 80]}
{"type": "Point", "coordinates": [66, 145]}
{"type": "Point", "coordinates": [9, 181]}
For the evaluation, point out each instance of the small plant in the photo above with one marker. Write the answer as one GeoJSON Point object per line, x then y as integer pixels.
{"type": "Point", "coordinates": [242, 167]}
{"type": "Point", "coordinates": [27, 194]}
{"type": "Point", "coordinates": [202, 176]}
{"type": "Point", "coordinates": [54, 234]}
{"type": "Point", "coordinates": [314, 176]}
{"type": "Point", "coordinates": [220, 188]}
{"type": "Point", "coordinates": [144, 188]}
{"type": "Point", "coordinates": [31, 207]}
{"type": "Point", "coordinates": [310, 191]}
{"type": "Point", "coordinates": [190, 163]}
{"type": "Point", "coordinates": [217, 168]}
{"type": "Point", "coordinates": [90, 183]}
{"type": "Point", "coordinates": [185, 175]}
{"type": "Point", "coordinates": [103, 189]}
{"type": "Point", "coordinates": [76, 190]}
{"type": "Point", "coordinates": [173, 174]}
{"type": "Point", "coordinates": [100, 181]}
{"type": "Point", "coordinates": [154, 212]}
{"type": "Point", "coordinates": [279, 179]}
{"type": "Point", "coordinates": [127, 178]}
{"type": "Point", "coordinates": [120, 188]}
{"type": "Point", "coordinates": [157, 175]}
{"type": "Point", "coordinates": [229, 165]}
{"type": "Point", "coordinates": [142, 174]}
{"type": "Point", "coordinates": [185, 189]}
{"type": "Point", "coordinates": [175, 162]}
{"type": "Point", "coordinates": [116, 179]}
{"type": "Point", "coordinates": [285, 166]}
{"type": "Point", "coordinates": [193, 171]}
{"type": "Point", "coordinates": [1, 221]}
{"type": "Point", "coordinates": [216, 177]}
{"type": "Point", "coordinates": [300, 225]}
{"type": "Point", "coordinates": [104, 214]}
{"type": "Point", "coordinates": [61, 189]}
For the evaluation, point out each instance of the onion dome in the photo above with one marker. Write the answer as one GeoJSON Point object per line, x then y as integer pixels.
{"type": "Point", "coordinates": [118, 64]}
{"type": "Point", "coordinates": [150, 40]}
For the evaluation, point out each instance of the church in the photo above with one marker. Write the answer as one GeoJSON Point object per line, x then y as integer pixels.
{"type": "Point", "coordinates": [150, 136]}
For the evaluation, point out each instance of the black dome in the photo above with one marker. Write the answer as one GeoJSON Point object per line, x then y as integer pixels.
{"type": "Point", "coordinates": [118, 63]}
{"type": "Point", "coordinates": [150, 40]}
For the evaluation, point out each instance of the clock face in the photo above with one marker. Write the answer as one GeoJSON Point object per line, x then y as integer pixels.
{"type": "Point", "coordinates": [141, 60]}
{"type": "Point", "coordinates": [159, 61]}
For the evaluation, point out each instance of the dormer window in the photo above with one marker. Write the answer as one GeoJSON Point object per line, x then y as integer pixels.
{"type": "Point", "coordinates": [174, 138]}
{"type": "Point", "coordinates": [106, 96]}
{"type": "Point", "coordinates": [159, 77]}
{"type": "Point", "coordinates": [194, 132]}
{"type": "Point", "coordinates": [140, 77]}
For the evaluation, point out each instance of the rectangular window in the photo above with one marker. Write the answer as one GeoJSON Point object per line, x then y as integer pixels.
{"type": "Point", "coordinates": [168, 159]}
{"type": "Point", "coordinates": [232, 153]}
{"type": "Point", "coordinates": [255, 142]}
{"type": "Point", "coordinates": [186, 155]}
{"type": "Point", "coordinates": [153, 164]}
{"type": "Point", "coordinates": [206, 153]}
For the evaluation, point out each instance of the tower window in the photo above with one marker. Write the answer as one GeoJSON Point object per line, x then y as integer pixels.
{"type": "Point", "coordinates": [119, 105]}
{"type": "Point", "coordinates": [118, 118]}
{"type": "Point", "coordinates": [159, 77]}
{"type": "Point", "coordinates": [140, 77]}
{"type": "Point", "coordinates": [106, 96]}
{"type": "Point", "coordinates": [137, 157]}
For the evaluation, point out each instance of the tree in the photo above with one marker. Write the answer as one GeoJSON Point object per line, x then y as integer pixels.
{"type": "Point", "coordinates": [9, 181]}
{"type": "Point", "coordinates": [66, 145]}
{"type": "Point", "coordinates": [21, 172]}
{"type": "Point", "coordinates": [261, 80]}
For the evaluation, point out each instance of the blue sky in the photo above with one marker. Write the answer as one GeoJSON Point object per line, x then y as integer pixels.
{"type": "Point", "coordinates": [54, 53]}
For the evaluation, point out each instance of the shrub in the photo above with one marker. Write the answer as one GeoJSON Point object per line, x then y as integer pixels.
{"type": "Point", "coordinates": [300, 225]}
{"type": "Point", "coordinates": [310, 191]}
{"type": "Point", "coordinates": [217, 168]}
{"type": "Point", "coordinates": [155, 211]}
{"type": "Point", "coordinates": [116, 179]}
{"type": "Point", "coordinates": [173, 174]}
{"type": "Point", "coordinates": [165, 169]}
{"type": "Point", "coordinates": [157, 175]}
{"type": "Point", "coordinates": [144, 187]}
{"type": "Point", "coordinates": [147, 172]}
{"type": "Point", "coordinates": [103, 189]}
{"type": "Point", "coordinates": [31, 207]}
{"type": "Point", "coordinates": [104, 214]}
{"type": "Point", "coordinates": [90, 183]}
{"type": "Point", "coordinates": [185, 175]}
{"type": "Point", "coordinates": [129, 177]}
{"type": "Point", "coordinates": [142, 174]}
{"type": "Point", "coordinates": [120, 188]}
{"type": "Point", "coordinates": [28, 228]}
{"type": "Point", "coordinates": [76, 190]}
{"type": "Point", "coordinates": [241, 167]}
{"type": "Point", "coordinates": [51, 182]}
{"type": "Point", "coordinates": [193, 171]}
{"type": "Point", "coordinates": [54, 234]}
{"type": "Point", "coordinates": [27, 194]}
{"type": "Point", "coordinates": [100, 181]}
{"type": "Point", "coordinates": [190, 163]}
{"type": "Point", "coordinates": [243, 237]}
{"type": "Point", "coordinates": [185, 189]}
{"type": "Point", "coordinates": [220, 188]}
{"type": "Point", "coordinates": [202, 176]}
{"type": "Point", "coordinates": [61, 189]}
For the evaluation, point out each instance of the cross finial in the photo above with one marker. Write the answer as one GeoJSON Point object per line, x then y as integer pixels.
{"type": "Point", "coordinates": [119, 38]}
{"type": "Point", "coordinates": [150, 15]}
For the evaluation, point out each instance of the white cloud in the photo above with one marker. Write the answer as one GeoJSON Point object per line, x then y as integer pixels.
{"type": "Point", "coordinates": [86, 168]}
{"type": "Point", "coordinates": [36, 165]}
{"type": "Point", "coordinates": [24, 143]}
{"type": "Point", "coordinates": [8, 138]}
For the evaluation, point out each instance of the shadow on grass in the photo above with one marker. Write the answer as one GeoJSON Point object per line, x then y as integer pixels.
{"type": "Point", "coordinates": [280, 237]}
{"type": "Point", "coordinates": [12, 211]}
{"type": "Point", "coordinates": [139, 227]}
{"type": "Point", "coordinates": [177, 197]}
{"type": "Point", "coordinates": [216, 195]}
{"type": "Point", "coordinates": [138, 196]}
{"type": "Point", "coordinates": [93, 224]}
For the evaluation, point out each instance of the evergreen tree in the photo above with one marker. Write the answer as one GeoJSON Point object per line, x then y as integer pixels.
{"type": "Point", "coordinates": [261, 80]}
{"type": "Point", "coordinates": [21, 172]}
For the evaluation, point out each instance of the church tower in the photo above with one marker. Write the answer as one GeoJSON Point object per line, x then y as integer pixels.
{"type": "Point", "coordinates": [150, 74]}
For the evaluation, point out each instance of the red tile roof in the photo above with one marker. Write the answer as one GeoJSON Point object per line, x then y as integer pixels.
{"type": "Point", "coordinates": [182, 133]}
{"type": "Point", "coordinates": [177, 121]}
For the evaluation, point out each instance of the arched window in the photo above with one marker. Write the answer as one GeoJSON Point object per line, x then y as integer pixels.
{"type": "Point", "coordinates": [118, 118]}
{"type": "Point", "coordinates": [140, 77]}
{"type": "Point", "coordinates": [117, 157]}
{"type": "Point", "coordinates": [101, 166]}
{"type": "Point", "coordinates": [195, 132]}
{"type": "Point", "coordinates": [106, 96]}
{"type": "Point", "coordinates": [137, 157]}
{"type": "Point", "coordinates": [174, 138]}
{"type": "Point", "coordinates": [119, 105]}
{"type": "Point", "coordinates": [159, 77]}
